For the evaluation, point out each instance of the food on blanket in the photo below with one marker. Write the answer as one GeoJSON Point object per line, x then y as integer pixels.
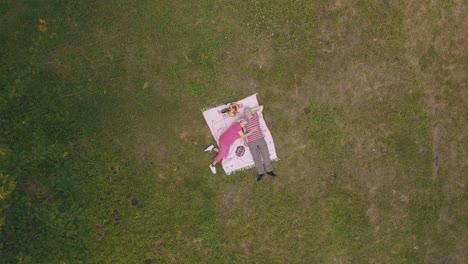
{"type": "Point", "coordinates": [234, 106]}
{"type": "Point", "coordinates": [240, 151]}
{"type": "Point", "coordinates": [231, 110]}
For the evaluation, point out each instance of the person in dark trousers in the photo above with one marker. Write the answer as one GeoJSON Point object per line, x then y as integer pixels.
{"type": "Point", "coordinates": [256, 142]}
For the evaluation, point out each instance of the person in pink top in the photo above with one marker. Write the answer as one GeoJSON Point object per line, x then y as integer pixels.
{"type": "Point", "coordinates": [234, 132]}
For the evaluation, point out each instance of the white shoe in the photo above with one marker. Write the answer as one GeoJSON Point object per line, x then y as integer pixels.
{"type": "Point", "coordinates": [209, 148]}
{"type": "Point", "coordinates": [213, 169]}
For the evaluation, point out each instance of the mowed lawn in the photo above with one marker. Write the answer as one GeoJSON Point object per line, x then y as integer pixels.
{"type": "Point", "coordinates": [102, 137]}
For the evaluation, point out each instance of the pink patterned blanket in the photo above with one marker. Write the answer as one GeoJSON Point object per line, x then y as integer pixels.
{"type": "Point", "coordinates": [239, 157]}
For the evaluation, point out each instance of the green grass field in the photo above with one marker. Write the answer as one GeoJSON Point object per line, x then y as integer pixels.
{"type": "Point", "coordinates": [102, 137]}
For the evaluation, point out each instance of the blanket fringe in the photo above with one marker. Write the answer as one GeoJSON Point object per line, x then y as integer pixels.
{"type": "Point", "coordinates": [241, 169]}
{"type": "Point", "coordinates": [208, 108]}
{"type": "Point", "coordinates": [247, 167]}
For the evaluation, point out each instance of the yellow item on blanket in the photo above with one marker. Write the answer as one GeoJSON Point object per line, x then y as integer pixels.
{"type": "Point", "coordinates": [233, 108]}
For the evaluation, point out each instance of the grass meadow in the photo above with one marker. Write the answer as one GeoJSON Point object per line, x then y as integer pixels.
{"type": "Point", "coordinates": [102, 137]}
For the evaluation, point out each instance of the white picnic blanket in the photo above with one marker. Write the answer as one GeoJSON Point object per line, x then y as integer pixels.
{"type": "Point", "coordinates": [239, 157]}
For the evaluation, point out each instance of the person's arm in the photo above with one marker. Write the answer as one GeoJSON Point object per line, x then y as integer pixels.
{"type": "Point", "coordinates": [245, 135]}
{"type": "Point", "coordinates": [258, 109]}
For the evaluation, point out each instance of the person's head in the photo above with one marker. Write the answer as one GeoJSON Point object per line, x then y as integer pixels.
{"type": "Point", "coordinates": [247, 112]}
{"type": "Point", "coordinates": [242, 122]}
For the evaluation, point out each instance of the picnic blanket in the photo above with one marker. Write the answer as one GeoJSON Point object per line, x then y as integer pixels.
{"type": "Point", "coordinates": [239, 157]}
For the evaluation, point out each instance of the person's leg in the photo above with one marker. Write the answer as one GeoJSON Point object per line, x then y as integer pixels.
{"type": "Point", "coordinates": [209, 148]}
{"type": "Point", "coordinates": [222, 152]}
{"type": "Point", "coordinates": [265, 153]}
{"type": "Point", "coordinates": [253, 146]}
{"type": "Point", "coordinates": [217, 159]}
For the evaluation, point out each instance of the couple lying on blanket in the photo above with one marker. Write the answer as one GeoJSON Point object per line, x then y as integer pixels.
{"type": "Point", "coordinates": [249, 130]}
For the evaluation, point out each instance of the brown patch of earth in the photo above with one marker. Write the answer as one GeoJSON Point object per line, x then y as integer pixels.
{"type": "Point", "coordinates": [31, 188]}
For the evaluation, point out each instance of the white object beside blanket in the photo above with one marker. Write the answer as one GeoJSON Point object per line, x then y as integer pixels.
{"type": "Point", "coordinates": [239, 157]}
